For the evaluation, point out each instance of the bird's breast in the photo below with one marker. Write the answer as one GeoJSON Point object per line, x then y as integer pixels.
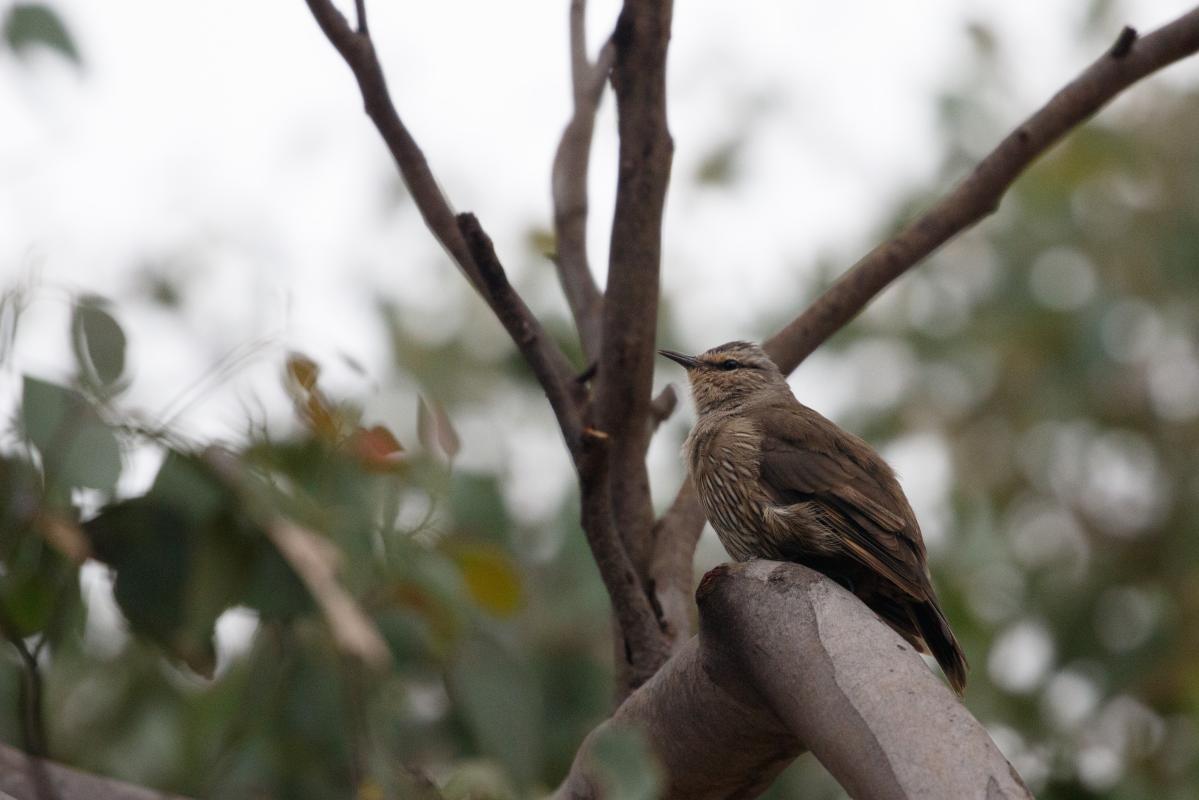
{"type": "Point", "coordinates": [722, 458]}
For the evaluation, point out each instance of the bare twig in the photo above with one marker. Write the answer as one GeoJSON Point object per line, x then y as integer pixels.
{"type": "Point", "coordinates": [33, 717]}
{"type": "Point", "coordinates": [550, 365]}
{"type": "Point", "coordinates": [978, 195]}
{"type": "Point", "coordinates": [544, 357]}
{"type": "Point", "coordinates": [663, 406]}
{"type": "Point", "coordinates": [316, 562]}
{"type": "Point", "coordinates": [1130, 60]}
{"type": "Point", "coordinates": [359, 53]}
{"type": "Point", "coordinates": [33, 726]}
{"type": "Point", "coordinates": [624, 379]}
{"type": "Point", "coordinates": [360, 10]}
{"type": "Point", "coordinates": [569, 183]}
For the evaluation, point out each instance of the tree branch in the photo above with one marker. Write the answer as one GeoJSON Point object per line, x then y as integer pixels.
{"type": "Point", "coordinates": [1128, 61]}
{"type": "Point", "coordinates": [33, 723]}
{"type": "Point", "coordinates": [549, 364]}
{"type": "Point", "coordinates": [675, 536]}
{"type": "Point", "coordinates": [26, 777]}
{"type": "Point", "coordinates": [359, 53]}
{"type": "Point", "coordinates": [625, 374]}
{"type": "Point", "coordinates": [360, 11]}
{"type": "Point", "coordinates": [569, 184]}
{"type": "Point", "coordinates": [544, 357]}
{"type": "Point", "coordinates": [640, 647]}
{"type": "Point", "coordinates": [786, 660]}
{"type": "Point", "coordinates": [978, 195]}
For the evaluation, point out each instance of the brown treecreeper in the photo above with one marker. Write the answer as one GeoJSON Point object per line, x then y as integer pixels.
{"type": "Point", "coordinates": [779, 481]}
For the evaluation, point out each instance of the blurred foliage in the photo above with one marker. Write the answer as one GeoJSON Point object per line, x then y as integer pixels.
{"type": "Point", "coordinates": [483, 661]}
{"type": "Point", "coordinates": [29, 26]}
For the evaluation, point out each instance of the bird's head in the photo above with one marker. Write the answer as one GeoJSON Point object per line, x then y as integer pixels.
{"type": "Point", "coordinates": [731, 375]}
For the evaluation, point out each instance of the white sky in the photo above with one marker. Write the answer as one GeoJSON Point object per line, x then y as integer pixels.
{"type": "Point", "coordinates": [224, 141]}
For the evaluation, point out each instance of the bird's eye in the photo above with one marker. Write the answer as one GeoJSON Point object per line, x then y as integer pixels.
{"type": "Point", "coordinates": [730, 363]}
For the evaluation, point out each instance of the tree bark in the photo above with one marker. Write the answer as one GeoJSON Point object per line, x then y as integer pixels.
{"type": "Point", "coordinates": [786, 661]}
{"type": "Point", "coordinates": [27, 778]}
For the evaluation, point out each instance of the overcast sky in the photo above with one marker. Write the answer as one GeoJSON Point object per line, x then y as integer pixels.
{"type": "Point", "coordinates": [223, 144]}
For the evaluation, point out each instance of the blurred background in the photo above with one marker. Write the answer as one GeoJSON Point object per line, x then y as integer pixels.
{"type": "Point", "coordinates": [202, 240]}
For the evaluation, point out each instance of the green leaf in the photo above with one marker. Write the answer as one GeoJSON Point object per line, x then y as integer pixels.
{"type": "Point", "coordinates": [99, 343]}
{"type": "Point", "coordinates": [501, 704]}
{"type": "Point", "coordinates": [186, 484]}
{"type": "Point", "coordinates": [182, 556]}
{"type": "Point", "coordinates": [478, 780]}
{"type": "Point", "coordinates": [407, 635]}
{"type": "Point", "coordinates": [625, 765]}
{"type": "Point", "coordinates": [272, 587]}
{"type": "Point", "coordinates": [30, 25]}
{"type": "Point", "coordinates": [478, 506]}
{"type": "Point", "coordinates": [77, 448]}
{"type": "Point", "coordinates": [20, 494]}
{"type": "Point", "coordinates": [34, 581]}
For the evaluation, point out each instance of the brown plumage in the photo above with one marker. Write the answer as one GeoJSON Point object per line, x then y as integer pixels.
{"type": "Point", "coordinates": [779, 481]}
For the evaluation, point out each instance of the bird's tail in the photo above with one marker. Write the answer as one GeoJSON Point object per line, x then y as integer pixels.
{"type": "Point", "coordinates": [937, 634]}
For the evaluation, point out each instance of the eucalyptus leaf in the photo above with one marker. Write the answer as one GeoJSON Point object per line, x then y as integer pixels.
{"type": "Point", "coordinates": [77, 447]}
{"type": "Point", "coordinates": [29, 25]}
{"type": "Point", "coordinates": [99, 343]}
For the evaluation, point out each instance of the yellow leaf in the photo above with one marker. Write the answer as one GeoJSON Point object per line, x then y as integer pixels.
{"type": "Point", "coordinates": [490, 575]}
{"type": "Point", "coordinates": [369, 790]}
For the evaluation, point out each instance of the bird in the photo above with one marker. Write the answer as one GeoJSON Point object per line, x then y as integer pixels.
{"type": "Point", "coordinates": [780, 481]}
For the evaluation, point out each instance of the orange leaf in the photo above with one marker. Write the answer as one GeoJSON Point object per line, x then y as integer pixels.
{"type": "Point", "coordinates": [491, 576]}
{"type": "Point", "coordinates": [377, 449]}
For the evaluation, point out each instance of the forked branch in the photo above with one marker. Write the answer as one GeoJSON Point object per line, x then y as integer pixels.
{"type": "Point", "coordinates": [641, 644]}
{"type": "Point", "coordinates": [569, 183]}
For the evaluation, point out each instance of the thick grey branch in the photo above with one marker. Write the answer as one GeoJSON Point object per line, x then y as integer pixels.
{"type": "Point", "coordinates": [625, 375]}
{"type": "Point", "coordinates": [28, 778]}
{"type": "Point", "coordinates": [785, 661]}
{"type": "Point", "coordinates": [978, 195]}
{"type": "Point", "coordinates": [569, 184]}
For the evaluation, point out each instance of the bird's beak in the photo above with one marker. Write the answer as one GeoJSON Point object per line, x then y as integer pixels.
{"type": "Point", "coordinates": [690, 362]}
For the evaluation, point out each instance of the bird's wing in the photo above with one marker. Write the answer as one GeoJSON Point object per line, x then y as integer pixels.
{"type": "Point", "coordinates": [859, 507]}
